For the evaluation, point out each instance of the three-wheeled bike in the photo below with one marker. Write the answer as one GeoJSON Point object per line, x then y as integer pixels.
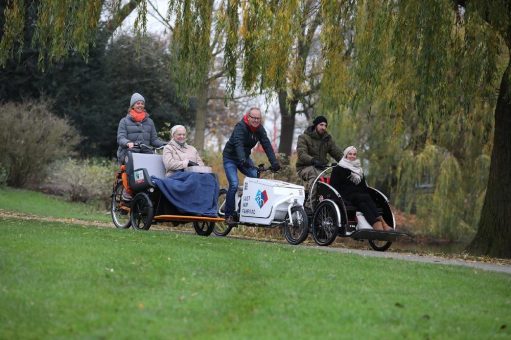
{"type": "Point", "coordinates": [144, 173]}
{"type": "Point", "coordinates": [267, 203]}
{"type": "Point", "coordinates": [335, 216]}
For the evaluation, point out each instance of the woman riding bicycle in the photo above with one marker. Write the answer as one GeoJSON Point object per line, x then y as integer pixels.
{"type": "Point", "coordinates": [135, 128]}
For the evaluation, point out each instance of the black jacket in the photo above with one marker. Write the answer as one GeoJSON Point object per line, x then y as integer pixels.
{"type": "Point", "coordinates": [344, 186]}
{"type": "Point", "coordinates": [242, 140]}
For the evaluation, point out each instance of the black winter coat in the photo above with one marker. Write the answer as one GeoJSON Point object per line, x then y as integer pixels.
{"type": "Point", "coordinates": [340, 181]}
{"type": "Point", "coordinates": [242, 140]}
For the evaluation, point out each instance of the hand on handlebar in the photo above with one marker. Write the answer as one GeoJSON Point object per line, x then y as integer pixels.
{"type": "Point", "coordinates": [275, 167]}
{"type": "Point", "coordinates": [130, 145]}
{"type": "Point", "coordinates": [319, 164]}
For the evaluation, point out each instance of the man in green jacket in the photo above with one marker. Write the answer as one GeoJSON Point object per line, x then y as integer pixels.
{"type": "Point", "coordinates": [314, 146]}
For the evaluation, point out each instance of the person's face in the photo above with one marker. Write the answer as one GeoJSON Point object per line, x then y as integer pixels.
{"type": "Point", "coordinates": [139, 106]}
{"type": "Point", "coordinates": [352, 155]}
{"type": "Point", "coordinates": [179, 135]}
{"type": "Point", "coordinates": [321, 128]}
{"type": "Point", "coordinates": [254, 118]}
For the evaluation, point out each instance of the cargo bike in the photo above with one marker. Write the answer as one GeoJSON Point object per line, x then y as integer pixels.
{"type": "Point", "coordinates": [335, 216]}
{"type": "Point", "coordinates": [151, 203]}
{"type": "Point", "coordinates": [267, 203]}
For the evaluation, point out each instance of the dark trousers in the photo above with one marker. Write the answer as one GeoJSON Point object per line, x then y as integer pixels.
{"type": "Point", "coordinates": [365, 204]}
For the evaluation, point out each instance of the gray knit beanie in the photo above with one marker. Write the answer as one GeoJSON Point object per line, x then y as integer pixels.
{"type": "Point", "coordinates": [135, 98]}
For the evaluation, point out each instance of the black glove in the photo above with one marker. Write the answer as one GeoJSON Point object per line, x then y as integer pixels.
{"type": "Point", "coordinates": [190, 163]}
{"type": "Point", "coordinates": [318, 164]}
{"type": "Point", "coordinates": [275, 167]}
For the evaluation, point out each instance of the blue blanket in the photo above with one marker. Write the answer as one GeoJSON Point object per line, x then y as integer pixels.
{"type": "Point", "coordinates": [191, 192]}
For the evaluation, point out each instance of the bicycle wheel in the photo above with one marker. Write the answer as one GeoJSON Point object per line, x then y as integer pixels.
{"type": "Point", "coordinates": [119, 209]}
{"type": "Point", "coordinates": [203, 228]}
{"type": "Point", "coordinates": [296, 228]}
{"type": "Point", "coordinates": [221, 228]}
{"type": "Point", "coordinates": [142, 212]}
{"type": "Point", "coordinates": [325, 223]}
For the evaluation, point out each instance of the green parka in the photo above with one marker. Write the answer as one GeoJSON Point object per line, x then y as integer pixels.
{"type": "Point", "coordinates": [313, 146]}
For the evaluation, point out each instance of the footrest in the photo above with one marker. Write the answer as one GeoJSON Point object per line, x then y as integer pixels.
{"type": "Point", "coordinates": [368, 234]}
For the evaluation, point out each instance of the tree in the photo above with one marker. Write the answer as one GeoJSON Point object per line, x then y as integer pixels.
{"type": "Point", "coordinates": [426, 61]}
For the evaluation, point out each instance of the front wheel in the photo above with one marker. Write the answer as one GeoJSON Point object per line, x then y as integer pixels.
{"type": "Point", "coordinates": [325, 223]}
{"type": "Point", "coordinates": [221, 228]}
{"type": "Point", "coordinates": [119, 209]}
{"type": "Point", "coordinates": [379, 245]}
{"type": "Point", "coordinates": [296, 228]}
{"type": "Point", "coordinates": [203, 228]}
{"type": "Point", "coordinates": [142, 212]}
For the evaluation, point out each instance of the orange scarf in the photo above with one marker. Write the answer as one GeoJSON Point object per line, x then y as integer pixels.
{"type": "Point", "coordinates": [137, 116]}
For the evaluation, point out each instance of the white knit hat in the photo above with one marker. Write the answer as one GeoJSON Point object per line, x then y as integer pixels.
{"type": "Point", "coordinates": [348, 149]}
{"type": "Point", "coordinates": [135, 98]}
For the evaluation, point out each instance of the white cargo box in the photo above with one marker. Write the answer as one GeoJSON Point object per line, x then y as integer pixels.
{"type": "Point", "coordinates": [265, 201]}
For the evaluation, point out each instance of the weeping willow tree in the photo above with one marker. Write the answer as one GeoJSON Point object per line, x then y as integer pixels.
{"type": "Point", "coordinates": [428, 72]}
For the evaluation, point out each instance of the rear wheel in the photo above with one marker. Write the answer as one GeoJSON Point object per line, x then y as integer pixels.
{"type": "Point", "coordinates": [296, 228]}
{"type": "Point", "coordinates": [119, 209]}
{"type": "Point", "coordinates": [325, 223]}
{"type": "Point", "coordinates": [142, 212]}
{"type": "Point", "coordinates": [221, 228]}
{"type": "Point", "coordinates": [203, 228]}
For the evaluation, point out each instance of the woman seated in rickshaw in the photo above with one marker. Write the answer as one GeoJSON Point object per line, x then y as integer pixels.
{"type": "Point", "coordinates": [189, 191]}
{"type": "Point", "coordinates": [177, 154]}
{"type": "Point", "coordinates": [349, 180]}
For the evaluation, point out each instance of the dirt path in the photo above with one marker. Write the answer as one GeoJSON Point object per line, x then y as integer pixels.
{"type": "Point", "coordinates": [488, 264]}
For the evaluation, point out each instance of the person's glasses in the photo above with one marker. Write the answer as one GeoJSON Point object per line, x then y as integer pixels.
{"type": "Point", "coordinates": [255, 118]}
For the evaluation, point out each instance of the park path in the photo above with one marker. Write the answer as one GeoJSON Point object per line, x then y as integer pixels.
{"type": "Point", "coordinates": [495, 265]}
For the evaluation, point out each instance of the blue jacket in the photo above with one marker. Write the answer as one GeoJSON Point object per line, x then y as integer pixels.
{"type": "Point", "coordinates": [242, 140]}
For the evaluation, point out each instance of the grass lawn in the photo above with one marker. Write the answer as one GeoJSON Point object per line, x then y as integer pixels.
{"type": "Point", "coordinates": [65, 281]}
{"type": "Point", "coordinates": [36, 203]}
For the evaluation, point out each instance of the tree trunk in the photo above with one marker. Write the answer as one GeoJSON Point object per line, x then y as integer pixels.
{"type": "Point", "coordinates": [200, 117]}
{"type": "Point", "coordinates": [493, 236]}
{"type": "Point", "coordinates": [287, 122]}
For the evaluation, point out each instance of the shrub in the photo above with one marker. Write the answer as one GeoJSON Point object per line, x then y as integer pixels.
{"type": "Point", "coordinates": [31, 137]}
{"type": "Point", "coordinates": [81, 180]}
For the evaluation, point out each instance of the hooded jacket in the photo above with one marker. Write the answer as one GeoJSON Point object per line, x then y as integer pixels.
{"type": "Point", "coordinates": [313, 146]}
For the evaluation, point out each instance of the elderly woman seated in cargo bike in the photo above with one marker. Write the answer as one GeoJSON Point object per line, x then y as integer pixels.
{"type": "Point", "coordinates": [349, 180]}
{"type": "Point", "coordinates": [177, 154]}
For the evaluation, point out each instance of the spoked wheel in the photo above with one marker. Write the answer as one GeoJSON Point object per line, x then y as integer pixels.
{"type": "Point", "coordinates": [119, 209]}
{"type": "Point", "coordinates": [221, 228]}
{"type": "Point", "coordinates": [325, 223]}
{"type": "Point", "coordinates": [142, 212]}
{"type": "Point", "coordinates": [203, 228]}
{"type": "Point", "coordinates": [296, 228]}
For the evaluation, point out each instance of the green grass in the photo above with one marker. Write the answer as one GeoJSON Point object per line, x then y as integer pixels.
{"type": "Point", "coordinates": [64, 281]}
{"type": "Point", "coordinates": [36, 203]}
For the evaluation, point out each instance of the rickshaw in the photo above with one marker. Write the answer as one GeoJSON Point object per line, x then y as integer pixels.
{"type": "Point", "coordinates": [151, 202]}
{"type": "Point", "coordinates": [267, 203]}
{"type": "Point", "coordinates": [335, 216]}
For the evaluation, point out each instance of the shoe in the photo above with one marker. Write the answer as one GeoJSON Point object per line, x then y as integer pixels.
{"type": "Point", "coordinates": [230, 221]}
{"type": "Point", "coordinates": [384, 224]}
{"type": "Point", "coordinates": [378, 226]}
